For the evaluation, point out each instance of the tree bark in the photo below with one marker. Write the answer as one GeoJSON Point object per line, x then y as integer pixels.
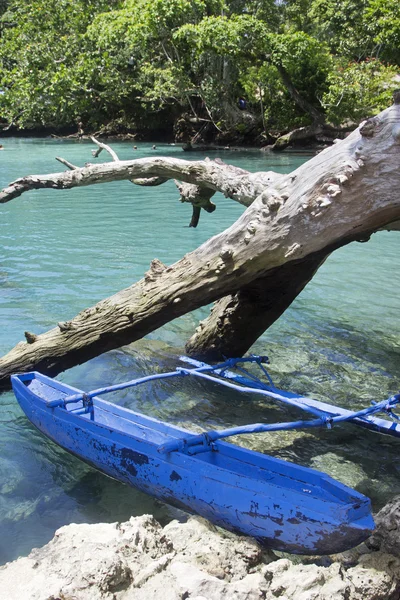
{"type": "Point", "coordinates": [238, 320]}
{"type": "Point", "coordinates": [292, 221]}
{"type": "Point", "coordinates": [317, 116]}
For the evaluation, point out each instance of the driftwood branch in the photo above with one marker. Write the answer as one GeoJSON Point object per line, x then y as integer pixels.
{"type": "Point", "coordinates": [150, 181]}
{"type": "Point", "coordinates": [101, 147]}
{"type": "Point", "coordinates": [66, 163]}
{"type": "Point", "coordinates": [199, 196]}
{"type": "Point", "coordinates": [259, 264]}
{"type": "Point", "coordinates": [234, 183]}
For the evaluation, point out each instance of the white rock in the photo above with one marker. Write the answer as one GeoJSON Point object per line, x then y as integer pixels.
{"type": "Point", "coordinates": [139, 560]}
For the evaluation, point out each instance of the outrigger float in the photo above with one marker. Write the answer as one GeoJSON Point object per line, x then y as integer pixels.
{"type": "Point", "coordinates": [284, 506]}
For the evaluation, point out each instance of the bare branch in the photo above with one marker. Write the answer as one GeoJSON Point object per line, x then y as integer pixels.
{"type": "Point", "coordinates": [197, 195]}
{"type": "Point", "coordinates": [234, 183]}
{"type": "Point", "coordinates": [66, 163]}
{"type": "Point", "coordinates": [150, 182]}
{"type": "Point", "coordinates": [237, 321]}
{"type": "Point", "coordinates": [194, 221]}
{"type": "Point", "coordinates": [96, 153]}
{"type": "Point", "coordinates": [102, 146]}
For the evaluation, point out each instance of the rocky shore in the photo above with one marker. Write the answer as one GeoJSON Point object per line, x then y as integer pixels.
{"type": "Point", "coordinates": [140, 560]}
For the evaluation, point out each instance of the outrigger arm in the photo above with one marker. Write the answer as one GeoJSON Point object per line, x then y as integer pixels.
{"type": "Point", "coordinates": [246, 382]}
{"type": "Point", "coordinates": [205, 440]}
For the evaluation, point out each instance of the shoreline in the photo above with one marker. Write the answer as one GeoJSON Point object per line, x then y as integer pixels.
{"type": "Point", "coordinates": [310, 149]}
{"type": "Point", "coordinates": [228, 140]}
{"type": "Point", "coordinates": [139, 559]}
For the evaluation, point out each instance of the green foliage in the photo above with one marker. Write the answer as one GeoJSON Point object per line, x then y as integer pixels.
{"type": "Point", "coordinates": [295, 15]}
{"type": "Point", "coordinates": [359, 29]}
{"type": "Point", "coordinates": [343, 26]}
{"type": "Point", "coordinates": [359, 90]}
{"type": "Point", "coordinates": [214, 52]}
{"type": "Point", "coordinates": [264, 88]}
{"type": "Point", "coordinates": [122, 60]}
{"type": "Point", "coordinates": [307, 61]}
{"type": "Point", "coordinates": [138, 39]}
{"type": "Point", "coordinates": [43, 60]}
{"type": "Point", "coordinates": [384, 16]}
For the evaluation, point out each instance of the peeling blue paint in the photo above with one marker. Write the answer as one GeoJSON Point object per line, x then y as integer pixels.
{"type": "Point", "coordinates": [175, 476]}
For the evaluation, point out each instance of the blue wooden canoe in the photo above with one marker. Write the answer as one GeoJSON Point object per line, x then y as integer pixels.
{"type": "Point", "coordinates": [284, 506]}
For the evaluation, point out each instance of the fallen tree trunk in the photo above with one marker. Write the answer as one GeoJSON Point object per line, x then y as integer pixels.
{"type": "Point", "coordinates": [235, 183]}
{"type": "Point", "coordinates": [343, 194]}
{"type": "Point", "coordinates": [238, 320]}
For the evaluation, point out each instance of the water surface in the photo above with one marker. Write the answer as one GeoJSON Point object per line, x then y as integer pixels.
{"type": "Point", "coordinates": [64, 251]}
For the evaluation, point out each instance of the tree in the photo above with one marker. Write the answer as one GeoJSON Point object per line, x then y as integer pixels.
{"type": "Point", "coordinates": [142, 60]}
{"type": "Point", "coordinates": [254, 269]}
{"type": "Point", "coordinates": [43, 60]}
{"type": "Point", "coordinates": [343, 26]}
{"type": "Point", "coordinates": [358, 29]}
{"type": "Point", "coordinates": [357, 90]}
{"type": "Point", "coordinates": [118, 63]}
{"type": "Point", "coordinates": [384, 19]}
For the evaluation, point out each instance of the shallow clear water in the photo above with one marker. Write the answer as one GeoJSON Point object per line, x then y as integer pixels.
{"type": "Point", "coordinates": [64, 251]}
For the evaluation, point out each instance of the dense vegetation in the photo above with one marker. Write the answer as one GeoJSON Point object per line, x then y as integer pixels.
{"type": "Point", "coordinates": [150, 65]}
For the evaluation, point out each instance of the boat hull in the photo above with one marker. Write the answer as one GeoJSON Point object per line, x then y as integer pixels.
{"type": "Point", "coordinates": [284, 506]}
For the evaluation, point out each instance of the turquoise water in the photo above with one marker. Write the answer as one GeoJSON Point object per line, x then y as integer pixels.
{"type": "Point", "coordinates": [64, 251]}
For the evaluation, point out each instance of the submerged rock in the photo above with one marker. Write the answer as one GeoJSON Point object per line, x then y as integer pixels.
{"type": "Point", "coordinates": [140, 560]}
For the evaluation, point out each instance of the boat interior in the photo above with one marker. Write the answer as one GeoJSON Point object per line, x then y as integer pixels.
{"type": "Point", "coordinates": [253, 465]}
